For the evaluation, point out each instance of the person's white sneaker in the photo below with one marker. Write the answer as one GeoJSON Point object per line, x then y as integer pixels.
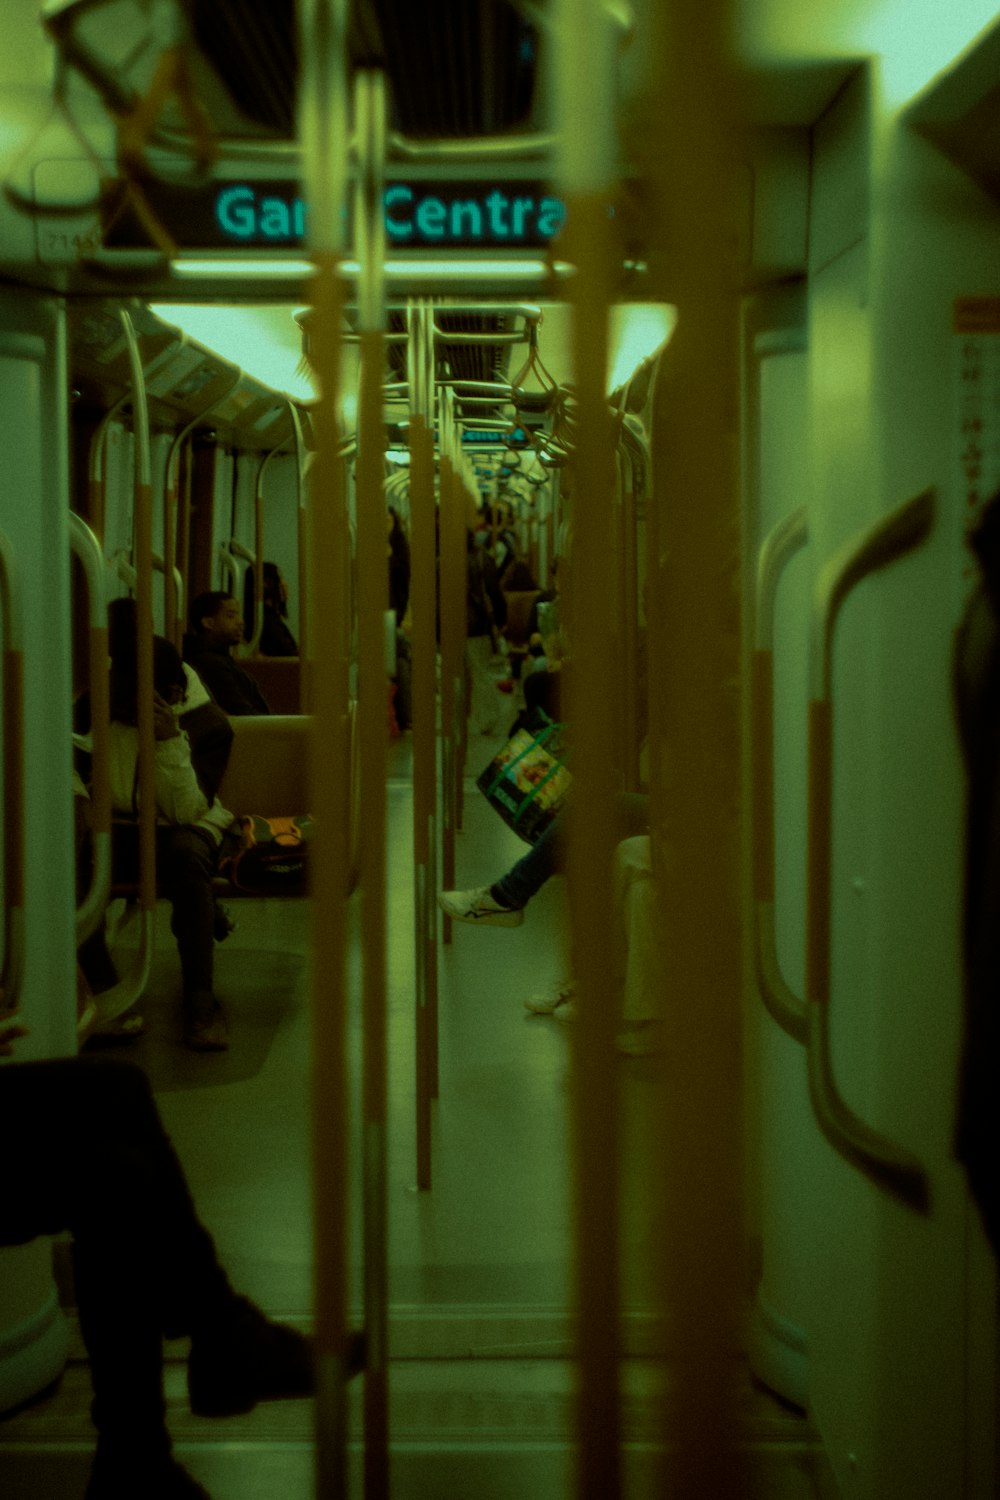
{"type": "Point", "coordinates": [559, 1001]}
{"type": "Point", "coordinates": [479, 908]}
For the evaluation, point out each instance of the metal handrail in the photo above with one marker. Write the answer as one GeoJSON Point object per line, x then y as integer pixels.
{"type": "Point", "coordinates": [90, 911]}
{"type": "Point", "coordinates": [136, 981]}
{"type": "Point", "coordinates": [324, 137]}
{"type": "Point", "coordinates": [777, 550]}
{"type": "Point", "coordinates": [586, 177]}
{"type": "Point", "coordinates": [891, 1166]}
{"type": "Point", "coordinates": [11, 623]}
{"type": "Point", "coordinates": [96, 478]}
{"type": "Point", "coordinates": [420, 354]}
{"type": "Point", "coordinates": [370, 126]}
{"type": "Point", "coordinates": [174, 587]}
{"type": "Point", "coordinates": [302, 529]}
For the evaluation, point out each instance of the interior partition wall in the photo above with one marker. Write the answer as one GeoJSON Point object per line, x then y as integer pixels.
{"type": "Point", "coordinates": [33, 518]}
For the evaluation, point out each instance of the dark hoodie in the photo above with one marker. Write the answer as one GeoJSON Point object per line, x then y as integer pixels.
{"type": "Point", "coordinates": [233, 688]}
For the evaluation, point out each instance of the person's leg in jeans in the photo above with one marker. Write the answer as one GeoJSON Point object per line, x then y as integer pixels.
{"type": "Point", "coordinates": [547, 855]}
{"type": "Point", "coordinates": [543, 860]}
{"type": "Point", "coordinates": [502, 903]}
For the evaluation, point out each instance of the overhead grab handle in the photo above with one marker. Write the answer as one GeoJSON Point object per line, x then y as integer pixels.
{"type": "Point", "coordinates": [781, 1002]}
{"type": "Point", "coordinates": [889, 1165]}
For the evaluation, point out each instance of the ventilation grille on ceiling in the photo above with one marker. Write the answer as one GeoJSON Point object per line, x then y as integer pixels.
{"type": "Point", "coordinates": [455, 69]}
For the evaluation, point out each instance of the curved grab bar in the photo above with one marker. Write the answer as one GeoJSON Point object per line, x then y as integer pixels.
{"type": "Point", "coordinates": [230, 571]}
{"type": "Point", "coordinates": [890, 1166]}
{"type": "Point", "coordinates": [143, 562]}
{"type": "Point", "coordinates": [256, 558]}
{"type": "Point", "coordinates": [302, 544]}
{"type": "Point", "coordinates": [13, 772]}
{"type": "Point", "coordinates": [87, 548]}
{"type": "Point", "coordinates": [777, 550]}
{"type": "Point", "coordinates": [110, 1004]}
{"type": "Point", "coordinates": [173, 601]}
{"type": "Point", "coordinates": [96, 483]}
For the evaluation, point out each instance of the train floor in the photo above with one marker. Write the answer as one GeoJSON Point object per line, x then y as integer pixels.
{"type": "Point", "coordinates": [480, 1375]}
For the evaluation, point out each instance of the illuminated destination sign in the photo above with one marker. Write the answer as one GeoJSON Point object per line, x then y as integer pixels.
{"type": "Point", "coordinates": [510, 439]}
{"type": "Point", "coordinates": [266, 214]}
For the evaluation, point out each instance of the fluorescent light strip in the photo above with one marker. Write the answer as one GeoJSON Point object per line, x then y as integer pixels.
{"type": "Point", "coordinates": [439, 270]}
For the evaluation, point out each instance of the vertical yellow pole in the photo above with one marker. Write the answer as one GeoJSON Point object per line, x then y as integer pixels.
{"type": "Point", "coordinates": [424, 721]}
{"type": "Point", "coordinates": [449, 639]}
{"type": "Point", "coordinates": [169, 553]}
{"type": "Point", "coordinates": [422, 513]}
{"type": "Point", "coordinates": [184, 535]}
{"type": "Point", "coordinates": [373, 599]}
{"type": "Point", "coordinates": [695, 712]}
{"type": "Point", "coordinates": [586, 168]}
{"type": "Point", "coordinates": [630, 620]}
{"type": "Point", "coordinates": [324, 134]}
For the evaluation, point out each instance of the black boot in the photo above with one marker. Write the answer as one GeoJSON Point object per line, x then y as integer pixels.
{"type": "Point", "coordinates": [241, 1358]}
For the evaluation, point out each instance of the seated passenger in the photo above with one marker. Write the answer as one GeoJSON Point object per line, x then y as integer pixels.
{"type": "Point", "coordinates": [210, 736]}
{"type": "Point", "coordinates": [502, 903]}
{"type": "Point", "coordinates": [145, 1267]}
{"type": "Point", "coordinates": [193, 835]}
{"type": "Point", "coordinates": [216, 622]}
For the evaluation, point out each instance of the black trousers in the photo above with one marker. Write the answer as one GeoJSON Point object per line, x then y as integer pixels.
{"type": "Point", "coordinates": [187, 861]}
{"type": "Point", "coordinates": [86, 1152]}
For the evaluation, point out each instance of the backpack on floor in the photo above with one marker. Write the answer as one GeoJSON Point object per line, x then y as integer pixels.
{"type": "Point", "coordinates": [273, 855]}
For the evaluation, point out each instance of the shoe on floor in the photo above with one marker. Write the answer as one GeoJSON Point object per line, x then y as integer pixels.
{"type": "Point", "coordinates": [223, 923]}
{"type": "Point", "coordinates": [205, 1028]}
{"type": "Point", "coordinates": [127, 1028]}
{"type": "Point", "coordinates": [118, 1475]}
{"type": "Point", "coordinates": [480, 908]}
{"type": "Point", "coordinates": [246, 1358]}
{"type": "Point", "coordinates": [553, 1002]}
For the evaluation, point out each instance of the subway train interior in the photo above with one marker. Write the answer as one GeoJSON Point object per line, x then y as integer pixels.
{"type": "Point", "coordinates": [625, 366]}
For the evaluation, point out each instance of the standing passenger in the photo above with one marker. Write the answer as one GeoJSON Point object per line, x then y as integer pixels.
{"type": "Point", "coordinates": [486, 613]}
{"type": "Point", "coordinates": [216, 627]}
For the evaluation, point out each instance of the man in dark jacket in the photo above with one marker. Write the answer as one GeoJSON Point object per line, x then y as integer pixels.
{"type": "Point", "coordinates": [145, 1265]}
{"type": "Point", "coordinates": [216, 622]}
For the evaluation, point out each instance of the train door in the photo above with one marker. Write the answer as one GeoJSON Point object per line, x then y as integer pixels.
{"type": "Point", "coordinates": [885, 1261]}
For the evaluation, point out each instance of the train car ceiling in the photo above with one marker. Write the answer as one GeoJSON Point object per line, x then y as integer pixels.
{"type": "Point", "coordinates": [246, 363]}
{"type": "Point", "coordinates": [472, 73]}
{"type": "Point", "coordinates": [182, 377]}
